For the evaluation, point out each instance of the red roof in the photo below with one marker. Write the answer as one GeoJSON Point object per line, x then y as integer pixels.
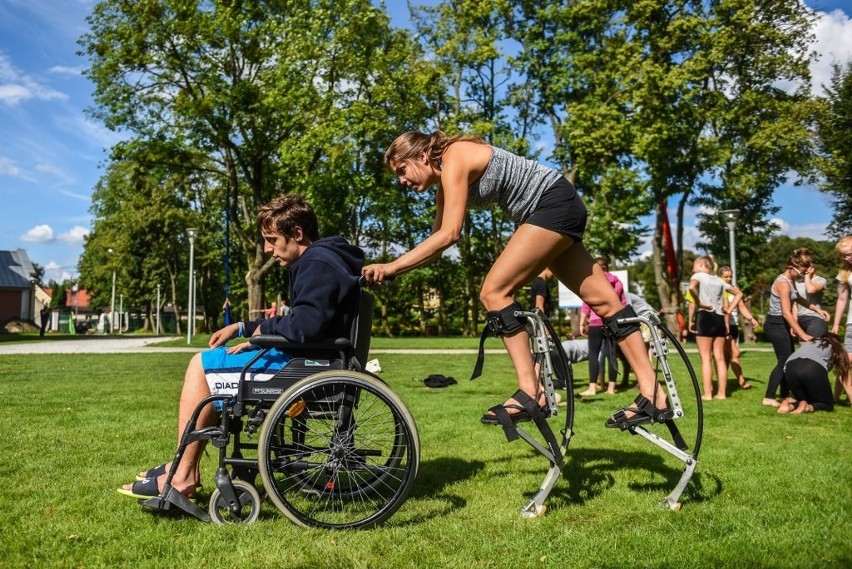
{"type": "Point", "coordinates": [81, 299]}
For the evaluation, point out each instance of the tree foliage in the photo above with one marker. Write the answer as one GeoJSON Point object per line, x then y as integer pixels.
{"type": "Point", "coordinates": [227, 103]}
{"type": "Point", "coordinates": [835, 141]}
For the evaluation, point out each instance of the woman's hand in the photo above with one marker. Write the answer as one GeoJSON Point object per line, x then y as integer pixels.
{"type": "Point", "coordinates": [825, 315]}
{"type": "Point", "coordinates": [378, 272]}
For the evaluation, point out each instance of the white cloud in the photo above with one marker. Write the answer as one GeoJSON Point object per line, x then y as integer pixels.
{"type": "Point", "coordinates": [74, 236]}
{"type": "Point", "coordinates": [833, 32]}
{"type": "Point", "coordinates": [65, 70]}
{"type": "Point", "coordinates": [16, 86]}
{"type": "Point", "coordinates": [38, 234]}
{"type": "Point", "coordinates": [53, 271]}
{"type": "Point", "coordinates": [76, 196]}
{"type": "Point", "coordinates": [8, 168]}
{"type": "Point", "coordinates": [783, 226]}
{"type": "Point", "coordinates": [47, 168]}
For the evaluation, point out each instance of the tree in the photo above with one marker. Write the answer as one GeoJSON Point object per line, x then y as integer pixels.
{"type": "Point", "coordinates": [834, 127]}
{"type": "Point", "coordinates": [140, 220]}
{"type": "Point", "coordinates": [262, 97]}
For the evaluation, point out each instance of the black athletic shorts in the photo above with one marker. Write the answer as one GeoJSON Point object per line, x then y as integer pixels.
{"type": "Point", "coordinates": [710, 324]}
{"type": "Point", "coordinates": [560, 209]}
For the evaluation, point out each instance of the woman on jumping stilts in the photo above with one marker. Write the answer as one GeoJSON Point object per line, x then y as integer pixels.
{"type": "Point", "coordinates": [550, 218]}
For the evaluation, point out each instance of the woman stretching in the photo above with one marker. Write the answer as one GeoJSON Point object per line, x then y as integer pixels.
{"type": "Point", "coordinates": [781, 322]}
{"type": "Point", "coordinates": [551, 219]}
{"type": "Point", "coordinates": [806, 372]}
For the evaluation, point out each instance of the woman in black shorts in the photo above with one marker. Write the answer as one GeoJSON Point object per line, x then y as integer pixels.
{"type": "Point", "coordinates": [550, 218]}
{"type": "Point", "coordinates": [708, 290]}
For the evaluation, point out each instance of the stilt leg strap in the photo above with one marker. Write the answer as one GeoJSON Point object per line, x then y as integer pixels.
{"type": "Point", "coordinates": [500, 323]}
{"type": "Point", "coordinates": [643, 412]}
{"type": "Point", "coordinates": [618, 331]}
{"type": "Point", "coordinates": [527, 409]}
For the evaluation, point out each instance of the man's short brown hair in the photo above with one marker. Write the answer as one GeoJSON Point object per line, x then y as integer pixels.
{"type": "Point", "coordinates": [283, 214]}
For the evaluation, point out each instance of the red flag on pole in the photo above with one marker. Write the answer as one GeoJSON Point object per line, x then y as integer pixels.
{"type": "Point", "coordinates": [668, 243]}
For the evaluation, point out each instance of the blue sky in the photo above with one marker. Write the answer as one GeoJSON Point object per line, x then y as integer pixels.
{"type": "Point", "coordinates": [51, 154]}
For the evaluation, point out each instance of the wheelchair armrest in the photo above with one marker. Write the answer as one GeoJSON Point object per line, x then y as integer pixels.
{"type": "Point", "coordinates": [282, 343]}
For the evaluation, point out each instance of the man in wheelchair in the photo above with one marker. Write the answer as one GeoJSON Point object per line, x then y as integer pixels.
{"type": "Point", "coordinates": [324, 293]}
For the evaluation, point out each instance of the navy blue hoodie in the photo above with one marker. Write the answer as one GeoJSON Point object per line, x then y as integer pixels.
{"type": "Point", "coordinates": [323, 293]}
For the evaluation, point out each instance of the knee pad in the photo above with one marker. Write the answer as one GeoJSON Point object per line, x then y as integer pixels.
{"type": "Point", "coordinates": [504, 322]}
{"type": "Point", "coordinates": [616, 331]}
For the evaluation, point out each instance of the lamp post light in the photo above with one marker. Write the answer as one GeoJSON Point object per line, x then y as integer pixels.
{"type": "Point", "coordinates": [190, 319]}
{"type": "Point", "coordinates": [112, 299]}
{"type": "Point", "coordinates": [730, 217]}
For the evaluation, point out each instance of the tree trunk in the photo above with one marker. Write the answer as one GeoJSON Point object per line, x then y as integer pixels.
{"type": "Point", "coordinates": [668, 292]}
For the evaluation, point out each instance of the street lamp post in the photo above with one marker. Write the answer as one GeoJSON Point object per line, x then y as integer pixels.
{"type": "Point", "coordinates": [158, 310]}
{"type": "Point", "coordinates": [112, 299]}
{"type": "Point", "coordinates": [730, 217]}
{"type": "Point", "coordinates": [75, 290]}
{"type": "Point", "coordinates": [191, 309]}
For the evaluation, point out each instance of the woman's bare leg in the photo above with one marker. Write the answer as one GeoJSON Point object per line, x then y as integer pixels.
{"type": "Point", "coordinates": [705, 350]}
{"type": "Point", "coordinates": [579, 272]}
{"type": "Point", "coordinates": [526, 255]}
{"type": "Point", "coordinates": [721, 367]}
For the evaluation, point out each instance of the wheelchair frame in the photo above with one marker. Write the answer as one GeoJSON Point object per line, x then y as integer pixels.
{"type": "Point", "coordinates": [317, 463]}
{"type": "Point", "coordinates": [544, 348]}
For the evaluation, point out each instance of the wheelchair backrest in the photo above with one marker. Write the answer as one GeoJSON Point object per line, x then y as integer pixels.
{"type": "Point", "coordinates": [361, 329]}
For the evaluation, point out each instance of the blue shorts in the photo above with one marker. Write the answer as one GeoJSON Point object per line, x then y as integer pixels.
{"type": "Point", "coordinates": [223, 370]}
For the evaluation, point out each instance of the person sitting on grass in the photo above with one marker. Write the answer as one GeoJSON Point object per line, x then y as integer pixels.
{"type": "Point", "coordinates": [806, 373]}
{"type": "Point", "coordinates": [324, 276]}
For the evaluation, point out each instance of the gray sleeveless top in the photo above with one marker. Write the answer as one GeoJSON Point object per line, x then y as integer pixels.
{"type": "Point", "coordinates": [775, 300]}
{"type": "Point", "coordinates": [811, 351]}
{"type": "Point", "coordinates": [815, 298]}
{"type": "Point", "coordinates": [514, 182]}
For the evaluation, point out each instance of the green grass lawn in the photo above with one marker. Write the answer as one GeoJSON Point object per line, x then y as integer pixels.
{"type": "Point", "coordinates": [769, 491]}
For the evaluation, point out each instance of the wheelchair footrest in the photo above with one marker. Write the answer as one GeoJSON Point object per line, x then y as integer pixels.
{"type": "Point", "coordinates": [172, 498]}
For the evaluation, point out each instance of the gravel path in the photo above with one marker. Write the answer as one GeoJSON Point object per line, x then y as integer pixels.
{"type": "Point", "coordinates": [137, 345]}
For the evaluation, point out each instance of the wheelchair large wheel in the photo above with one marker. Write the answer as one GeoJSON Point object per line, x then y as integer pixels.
{"type": "Point", "coordinates": [338, 450]}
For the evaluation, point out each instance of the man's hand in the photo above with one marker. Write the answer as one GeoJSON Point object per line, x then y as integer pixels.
{"type": "Point", "coordinates": [224, 335]}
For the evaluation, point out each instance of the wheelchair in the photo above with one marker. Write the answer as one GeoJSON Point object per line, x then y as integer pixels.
{"type": "Point", "coordinates": [335, 447]}
{"type": "Point", "coordinates": [554, 368]}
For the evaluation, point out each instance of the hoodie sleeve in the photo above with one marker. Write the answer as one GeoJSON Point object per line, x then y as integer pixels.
{"type": "Point", "coordinates": [316, 294]}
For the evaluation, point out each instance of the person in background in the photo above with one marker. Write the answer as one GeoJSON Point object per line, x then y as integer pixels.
{"type": "Point", "coordinates": [711, 324]}
{"type": "Point", "coordinates": [540, 292]}
{"type": "Point", "coordinates": [732, 340]}
{"type": "Point", "coordinates": [781, 324]}
{"type": "Point", "coordinates": [806, 372]}
{"type": "Point", "coordinates": [844, 299]}
{"type": "Point", "coordinates": [810, 287]}
{"type": "Point", "coordinates": [45, 317]}
{"type": "Point", "coordinates": [601, 351]}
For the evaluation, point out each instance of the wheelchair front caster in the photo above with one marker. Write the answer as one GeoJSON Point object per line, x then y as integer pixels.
{"type": "Point", "coordinates": [249, 505]}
